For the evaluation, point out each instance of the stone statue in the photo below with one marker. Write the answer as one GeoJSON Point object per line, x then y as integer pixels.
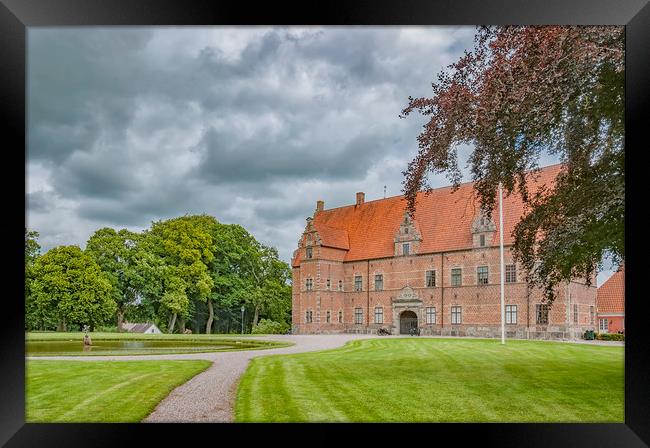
{"type": "Point", "coordinates": [187, 331]}
{"type": "Point", "coordinates": [87, 340]}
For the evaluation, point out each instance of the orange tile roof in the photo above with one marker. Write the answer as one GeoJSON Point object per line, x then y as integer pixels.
{"type": "Point", "coordinates": [333, 237]}
{"type": "Point", "coordinates": [444, 219]}
{"type": "Point", "coordinates": [611, 295]}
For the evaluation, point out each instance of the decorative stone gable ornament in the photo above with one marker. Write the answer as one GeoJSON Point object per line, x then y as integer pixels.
{"type": "Point", "coordinates": [311, 234]}
{"type": "Point", "coordinates": [408, 230]}
{"type": "Point", "coordinates": [483, 230]}
{"type": "Point", "coordinates": [407, 294]}
{"type": "Point", "coordinates": [482, 223]}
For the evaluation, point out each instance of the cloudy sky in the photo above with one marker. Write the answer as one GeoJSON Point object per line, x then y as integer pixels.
{"type": "Point", "coordinates": [249, 124]}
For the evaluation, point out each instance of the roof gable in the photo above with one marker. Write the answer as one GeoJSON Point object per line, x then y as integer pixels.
{"type": "Point", "coordinates": [611, 295]}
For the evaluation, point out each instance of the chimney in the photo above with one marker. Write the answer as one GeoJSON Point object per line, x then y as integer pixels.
{"type": "Point", "coordinates": [361, 196]}
{"type": "Point", "coordinates": [320, 205]}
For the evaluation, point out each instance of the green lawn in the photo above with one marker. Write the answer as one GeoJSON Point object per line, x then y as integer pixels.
{"type": "Point", "coordinates": [437, 380]}
{"type": "Point", "coordinates": [101, 391]}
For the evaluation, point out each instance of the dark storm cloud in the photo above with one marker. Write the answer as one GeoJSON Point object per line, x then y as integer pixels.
{"type": "Point", "coordinates": [251, 125]}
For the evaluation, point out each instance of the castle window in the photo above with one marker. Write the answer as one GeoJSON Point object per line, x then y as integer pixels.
{"type": "Point", "coordinates": [329, 283]}
{"type": "Point", "coordinates": [431, 315]}
{"type": "Point", "coordinates": [541, 310]}
{"type": "Point", "coordinates": [482, 273]}
{"type": "Point", "coordinates": [456, 315]}
{"type": "Point", "coordinates": [379, 282]}
{"type": "Point", "coordinates": [340, 285]}
{"type": "Point", "coordinates": [379, 315]}
{"type": "Point", "coordinates": [340, 316]}
{"type": "Point", "coordinates": [591, 315]}
{"type": "Point", "coordinates": [358, 315]}
{"type": "Point", "coordinates": [358, 285]}
{"type": "Point", "coordinates": [329, 316]}
{"type": "Point", "coordinates": [603, 325]}
{"type": "Point", "coordinates": [456, 277]}
{"type": "Point", "coordinates": [431, 279]}
{"type": "Point", "coordinates": [575, 313]}
{"type": "Point", "coordinates": [309, 283]}
{"type": "Point", "coordinates": [309, 252]}
{"type": "Point", "coordinates": [511, 273]}
{"type": "Point", "coordinates": [511, 314]}
{"type": "Point", "coordinates": [406, 230]}
{"type": "Point", "coordinates": [308, 317]}
{"type": "Point", "coordinates": [406, 248]}
{"type": "Point", "coordinates": [482, 240]}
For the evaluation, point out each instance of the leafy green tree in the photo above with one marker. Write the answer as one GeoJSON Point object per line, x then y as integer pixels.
{"type": "Point", "coordinates": [269, 291]}
{"type": "Point", "coordinates": [523, 91]}
{"type": "Point", "coordinates": [114, 253]}
{"type": "Point", "coordinates": [32, 252]}
{"type": "Point", "coordinates": [229, 269]}
{"type": "Point", "coordinates": [70, 287]}
{"type": "Point", "coordinates": [185, 248]}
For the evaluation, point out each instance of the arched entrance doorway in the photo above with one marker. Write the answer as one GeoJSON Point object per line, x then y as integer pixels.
{"type": "Point", "coordinates": [407, 320]}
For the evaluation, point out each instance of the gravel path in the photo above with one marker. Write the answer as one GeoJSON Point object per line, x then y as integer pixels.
{"type": "Point", "coordinates": [210, 395]}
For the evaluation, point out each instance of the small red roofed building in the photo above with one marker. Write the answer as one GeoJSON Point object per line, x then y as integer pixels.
{"type": "Point", "coordinates": [371, 265]}
{"type": "Point", "coordinates": [611, 304]}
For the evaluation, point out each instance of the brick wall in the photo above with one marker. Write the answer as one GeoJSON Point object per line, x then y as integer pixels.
{"type": "Point", "coordinates": [480, 304]}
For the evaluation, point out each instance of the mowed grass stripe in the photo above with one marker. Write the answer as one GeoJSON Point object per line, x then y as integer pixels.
{"type": "Point", "coordinates": [101, 391]}
{"type": "Point", "coordinates": [437, 380]}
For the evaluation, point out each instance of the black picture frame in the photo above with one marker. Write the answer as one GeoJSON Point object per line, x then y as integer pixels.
{"type": "Point", "coordinates": [17, 15]}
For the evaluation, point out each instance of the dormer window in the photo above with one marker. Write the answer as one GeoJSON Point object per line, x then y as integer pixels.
{"type": "Point", "coordinates": [309, 252]}
{"type": "Point", "coordinates": [406, 230]}
{"type": "Point", "coordinates": [482, 240]}
{"type": "Point", "coordinates": [406, 247]}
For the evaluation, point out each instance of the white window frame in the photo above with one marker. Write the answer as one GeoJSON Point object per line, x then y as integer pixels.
{"type": "Point", "coordinates": [603, 328]}
{"type": "Point", "coordinates": [381, 281]}
{"type": "Point", "coordinates": [456, 315]}
{"type": "Point", "coordinates": [511, 311]}
{"type": "Point", "coordinates": [460, 277]}
{"type": "Point", "coordinates": [478, 275]}
{"type": "Point", "coordinates": [358, 312]}
{"type": "Point", "coordinates": [430, 315]}
{"type": "Point", "coordinates": [432, 277]}
{"type": "Point", "coordinates": [360, 283]}
{"type": "Point", "coordinates": [379, 312]}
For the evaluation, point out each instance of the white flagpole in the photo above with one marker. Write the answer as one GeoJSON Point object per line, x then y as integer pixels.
{"type": "Point", "coordinates": [503, 307]}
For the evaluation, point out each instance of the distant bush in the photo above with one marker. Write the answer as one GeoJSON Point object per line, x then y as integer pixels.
{"type": "Point", "coordinates": [610, 337]}
{"type": "Point", "coordinates": [267, 326]}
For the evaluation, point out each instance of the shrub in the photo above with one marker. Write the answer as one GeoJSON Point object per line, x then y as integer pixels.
{"type": "Point", "coordinates": [610, 337]}
{"type": "Point", "coordinates": [267, 326]}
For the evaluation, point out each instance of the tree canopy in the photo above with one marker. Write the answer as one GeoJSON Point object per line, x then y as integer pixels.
{"type": "Point", "coordinates": [69, 288]}
{"type": "Point", "coordinates": [523, 91]}
{"type": "Point", "coordinates": [174, 273]}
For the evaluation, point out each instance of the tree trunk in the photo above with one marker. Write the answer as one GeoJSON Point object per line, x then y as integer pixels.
{"type": "Point", "coordinates": [181, 325]}
{"type": "Point", "coordinates": [171, 324]}
{"type": "Point", "coordinates": [256, 315]}
{"type": "Point", "coordinates": [120, 320]}
{"type": "Point", "coordinates": [208, 325]}
{"type": "Point", "coordinates": [62, 326]}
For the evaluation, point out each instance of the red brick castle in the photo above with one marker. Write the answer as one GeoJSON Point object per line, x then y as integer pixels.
{"type": "Point", "coordinates": [370, 265]}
